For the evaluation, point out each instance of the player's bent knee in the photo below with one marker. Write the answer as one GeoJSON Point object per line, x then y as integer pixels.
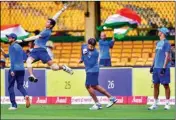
{"type": "Point", "coordinates": [54, 67]}
{"type": "Point", "coordinates": [29, 62]}
{"type": "Point", "coordinates": [166, 85]}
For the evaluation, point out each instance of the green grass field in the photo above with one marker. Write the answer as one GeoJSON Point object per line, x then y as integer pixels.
{"type": "Point", "coordinates": [82, 112]}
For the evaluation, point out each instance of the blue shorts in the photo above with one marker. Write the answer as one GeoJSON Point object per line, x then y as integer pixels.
{"type": "Point", "coordinates": [157, 78]}
{"type": "Point", "coordinates": [92, 78]}
{"type": "Point", "coordinates": [105, 62]}
{"type": "Point", "coordinates": [40, 54]}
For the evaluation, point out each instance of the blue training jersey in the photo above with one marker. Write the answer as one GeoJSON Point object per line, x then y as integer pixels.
{"type": "Point", "coordinates": [45, 35]}
{"type": "Point", "coordinates": [90, 59]}
{"type": "Point", "coordinates": [162, 47]}
{"type": "Point", "coordinates": [16, 55]}
{"type": "Point", "coordinates": [105, 45]}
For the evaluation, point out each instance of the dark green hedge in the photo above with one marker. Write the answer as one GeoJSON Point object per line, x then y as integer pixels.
{"type": "Point", "coordinates": [127, 38]}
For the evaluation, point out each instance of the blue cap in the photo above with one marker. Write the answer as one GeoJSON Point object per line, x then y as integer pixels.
{"type": "Point", "coordinates": [164, 30]}
{"type": "Point", "coordinates": [12, 35]}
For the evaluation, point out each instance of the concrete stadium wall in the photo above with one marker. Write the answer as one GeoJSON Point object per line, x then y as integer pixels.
{"type": "Point", "coordinates": [118, 81]}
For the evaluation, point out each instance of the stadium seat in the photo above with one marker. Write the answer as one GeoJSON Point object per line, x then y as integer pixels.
{"type": "Point", "coordinates": [117, 47]}
{"type": "Point", "coordinates": [8, 65]}
{"type": "Point", "coordinates": [65, 51]}
{"type": "Point", "coordinates": [74, 60]}
{"type": "Point", "coordinates": [154, 50]}
{"type": "Point", "coordinates": [148, 42]}
{"type": "Point", "coordinates": [136, 55]}
{"type": "Point", "coordinates": [150, 59]}
{"type": "Point", "coordinates": [114, 60]}
{"type": "Point", "coordinates": [118, 43]}
{"type": "Point", "coordinates": [147, 50]}
{"type": "Point", "coordinates": [137, 43]}
{"type": "Point", "coordinates": [34, 65]}
{"type": "Point", "coordinates": [138, 46]}
{"type": "Point", "coordinates": [127, 55]}
{"type": "Point", "coordinates": [63, 63]}
{"type": "Point", "coordinates": [116, 50]}
{"type": "Point", "coordinates": [116, 55]}
{"type": "Point", "coordinates": [73, 64]}
{"type": "Point", "coordinates": [145, 55]}
{"type": "Point", "coordinates": [76, 44]}
{"type": "Point", "coordinates": [124, 60]}
{"type": "Point", "coordinates": [127, 43]}
{"type": "Point", "coordinates": [66, 44]}
{"type": "Point", "coordinates": [76, 48]}
{"type": "Point", "coordinates": [140, 63]}
{"type": "Point", "coordinates": [141, 60]}
{"type": "Point", "coordinates": [64, 60]}
{"type": "Point", "coordinates": [127, 46]}
{"type": "Point", "coordinates": [147, 46]}
{"type": "Point", "coordinates": [67, 47]}
{"type": "Point", "coordinates": [149, 63]}
{"type": "Point", "coordinates": [75, 56]}
{"type": "Point", "coordinates": [40, 64]}
{"type": "Point", "coordinates": [120, 64]}
{"type": "Point", "coordinates": [58, 47]}
{"type": "Point", "coordinates": [130, 63]}
{"type": "Point", "coordinates": [76, 51]}
{"type": "Point", "coordinates": [65, 56]}
{"type": "Point", "coordinates": [133, 60]}
{"type": "Point", "coordinates": [171, 41]}
{"type": "Point", "coordinates": [126, 50]}
{"type": "Point", "coordinates": [153, 55]}
{"type": "Point", "coordinates": [137, 50]}
{"type": "Point", "coordinates": [57, 44]}
{"type": "Point", "coordinates": [56, 52]}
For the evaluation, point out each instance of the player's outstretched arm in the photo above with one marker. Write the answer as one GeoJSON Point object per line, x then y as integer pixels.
{"type": "Point", "coordinates": [56, 16]}
{"type": "Point", "coordinates": [32, 38]}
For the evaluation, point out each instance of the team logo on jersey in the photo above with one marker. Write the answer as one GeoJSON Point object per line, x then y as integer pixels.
{"type": "Point", "coordinates": [85, 51]}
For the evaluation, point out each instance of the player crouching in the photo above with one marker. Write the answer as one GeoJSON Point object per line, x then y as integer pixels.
{"type": "Point", "coordinates": [90, 57]}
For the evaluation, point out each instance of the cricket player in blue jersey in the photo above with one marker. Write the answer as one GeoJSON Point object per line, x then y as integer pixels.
{"type": "Point", "coordinates": [17, 71]}
{"type": "Point", "coordinates": [39, 51]}
{"type": "Point", "coordinates": [105, 45]}
{"type": "Point", "coordinates": [90, 57]}
{"type": "Point", "coordinates": [161, 68]}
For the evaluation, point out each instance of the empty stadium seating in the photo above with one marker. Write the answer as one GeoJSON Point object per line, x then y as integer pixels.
{"type": "Point", "coordinates": [70, 53]}
{"type": "Point", "coordinates": [151, 12]}
{"type": "Point", "coordinates": [33, 15]}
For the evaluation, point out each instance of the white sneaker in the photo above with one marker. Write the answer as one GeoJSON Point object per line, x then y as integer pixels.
{"type": "Point", "coordinates": [96, 107]}
{"type": "Point", "coordinates": [153, 107]}
{"type": "Point", "coordinates": [167, 107]}
{"type": "Point", "coordinates": [12, 108]}
{"type": "Point", "coordinates": [111, 102]}
{"type": "Point", "coordinates": [67, 69]}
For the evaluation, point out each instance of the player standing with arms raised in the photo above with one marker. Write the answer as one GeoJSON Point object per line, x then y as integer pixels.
{"type": "Point", "coordinates": [90, 57]}
{"type": "Point", "coordinates": [17, 71]}
{"type": "Point", "coordinates": [105, 45]}
{"type": "Point", "coordinates": [161, 68]}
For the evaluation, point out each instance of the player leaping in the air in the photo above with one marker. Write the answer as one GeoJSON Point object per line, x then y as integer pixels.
{"type": "Point", "coordinates": [90, 57]}
{"type": "Point", "coordinates": [40, 53]}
